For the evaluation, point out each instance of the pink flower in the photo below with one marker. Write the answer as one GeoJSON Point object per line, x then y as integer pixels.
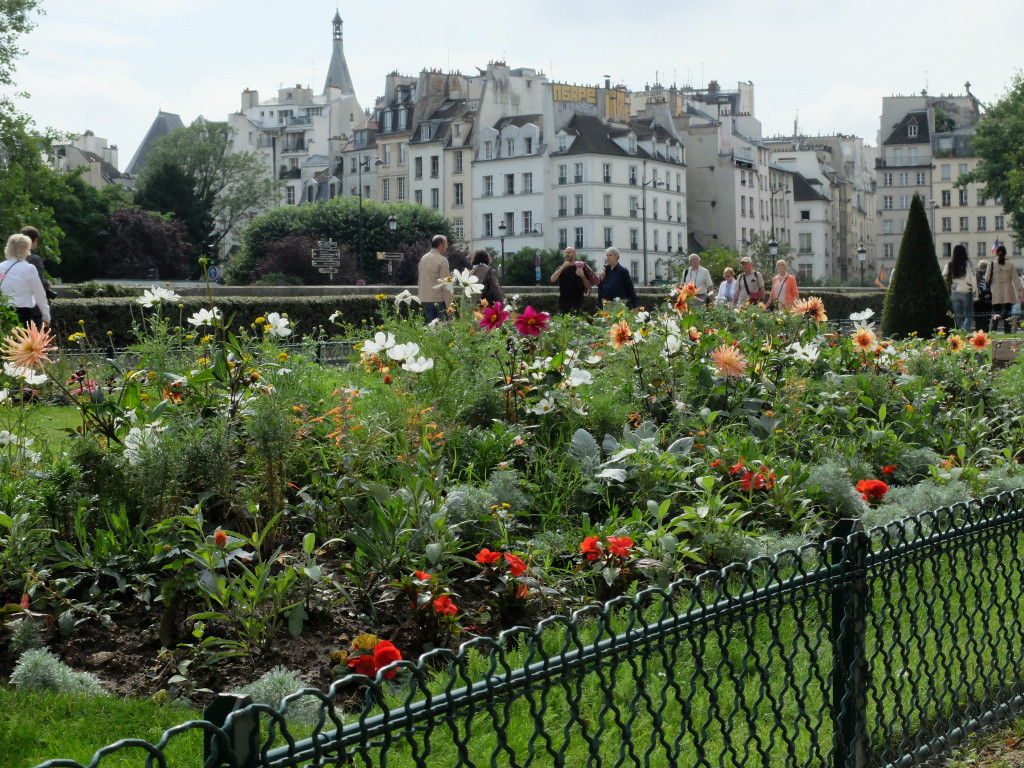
{"type": "Point", "coordinates": [494, 317]}
{"type": "Point", "coordinates": [531, 322]}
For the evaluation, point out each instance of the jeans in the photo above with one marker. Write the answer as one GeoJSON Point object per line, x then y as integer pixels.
{"type": "Point", "coordinates": [433, 310]}
{"type": "Point", "coordinates": [963, 309]}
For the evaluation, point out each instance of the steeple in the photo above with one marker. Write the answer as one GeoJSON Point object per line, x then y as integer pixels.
{"type": "Point", "coordinates": [337, 72]}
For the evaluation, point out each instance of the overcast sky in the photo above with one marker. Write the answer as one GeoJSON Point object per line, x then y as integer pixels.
{"type": "Point", "coordinates": [111, 65]}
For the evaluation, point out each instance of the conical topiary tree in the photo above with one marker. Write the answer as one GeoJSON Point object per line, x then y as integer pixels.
{"type": "Point", "coordinates": [917, 300]}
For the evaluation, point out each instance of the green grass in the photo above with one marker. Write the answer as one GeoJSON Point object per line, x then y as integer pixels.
{"type": "Point", "coordinates": [35, 727]}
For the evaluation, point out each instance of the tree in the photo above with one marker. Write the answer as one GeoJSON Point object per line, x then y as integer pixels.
{"type": "Point", "coordinates": [140, 245]}
{"type": "Point", "coordinates": [917, 300]}
{"type": "Point", "coordinates": [81, 212]}
{"type": "Point", "coordinates": [521, 266]}
{"type": "Point", "coordinates": [15, 21]}
{"type": "Point", "coordinates": [998, 142]}
{"type": "Point", "coordinates": [214, 189]}
{"type": "Point", "coordinates": [718, 257]}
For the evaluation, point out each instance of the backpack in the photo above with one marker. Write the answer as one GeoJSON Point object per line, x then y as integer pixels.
{"type": "Point", "coordinates": [984, 289]}
{"type": "Point", "coordinates": [483, 275]}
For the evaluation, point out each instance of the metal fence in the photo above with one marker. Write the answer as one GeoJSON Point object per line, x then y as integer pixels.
{"type": "Point", "coordinates": [878, 648]}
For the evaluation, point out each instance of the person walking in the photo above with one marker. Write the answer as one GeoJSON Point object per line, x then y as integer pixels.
{"type": "Point", "coordinates": [963, 286]}
{"type": "Point", "coordinates": [487, 276]}
{"type": "Point", "coordinates": [727, 290]}
{"type": "Point", "coordinates": [784, 291]}
{"type": "Point", "coordinates": [616, 282]}
{"type": "Point", "coordinates": [20, 282]}
{"type": "Point", "coordinates": [749, 284]}
{"type": "Point", "coordinates": [1006, 287]}
{"type": "Point", "coordinates": [433, 270]}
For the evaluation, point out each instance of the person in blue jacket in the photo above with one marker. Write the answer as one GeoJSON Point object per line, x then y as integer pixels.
{"type": "Point", "coordinates": [615, 280]}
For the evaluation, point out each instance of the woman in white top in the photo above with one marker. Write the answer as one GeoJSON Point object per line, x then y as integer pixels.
{"type": "Point", "coordinates": [727, 290]}
{"type": "Point", "coordinates": [20, 282]}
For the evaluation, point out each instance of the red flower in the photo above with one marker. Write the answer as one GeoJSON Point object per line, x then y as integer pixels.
{"type": "Point", "coordinates": [872, 491]}
{"type": "Point", "coordinates": [736, 468]}
{"type": "Point", "coordinates": [220, 538]}
{"type": "Point", "coordinates": [422, 576]}
{"type": "Point", "coordinates": [363, 664]}
{"type": "Point", "coordinates": [888, 469]}
{"type": "Point", "coordinates": [515, 566]}
{"type": "Point", "coordinates": [384, 653]}
{"type": "Point", "coordinates": [387, 378]}
{"type": "Point", "coordinates": [444, 604]}
{"type": "Point", "coordinates": [619, 545]}
{"type": "Point", "coordinates": [486, 557]}
{"type": "Point", "coordinates": [760, 480]}
{"type": "Point", "coordinates": [590, 548]}
{"type": "Point", "coordinates": [494, 317]}
{"type": "Point", "coordinates": [716, 463]}
{"type": "Point", "coordinates": [531, 322]}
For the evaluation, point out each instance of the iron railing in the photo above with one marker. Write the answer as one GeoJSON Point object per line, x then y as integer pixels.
{"type": "Point", "coordinates": [878, 648]}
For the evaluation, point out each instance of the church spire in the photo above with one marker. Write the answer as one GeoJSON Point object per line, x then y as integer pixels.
{"type": "Point", "coordinates": [337, 71]}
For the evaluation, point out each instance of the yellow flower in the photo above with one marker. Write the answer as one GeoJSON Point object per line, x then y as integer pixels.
{"type": "Point", "coordinates": [206, 339]}
{"type": "Point", "coordinates": [259, 320]}
{"type": "Point", "coordinates": [955, 342]}
{"type": "Point", "coordinates": [365, 642]}
{"type": "Point", "coordinates": [864, 339]}
{"type": "Point", "coordinates": [282, 357]}
{"type": "Point", "coordinates": [381, 297]}
{"type": "Point", "coordinates": [620, 335]}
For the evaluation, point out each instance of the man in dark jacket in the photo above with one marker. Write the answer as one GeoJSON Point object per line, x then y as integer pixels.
{"type": "Point", "coordinates": [615, 280]}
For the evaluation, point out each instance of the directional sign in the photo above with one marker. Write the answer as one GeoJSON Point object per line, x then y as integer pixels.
{"type": "Point", "coordinates": [213, 273]}
{"type": "Point", "coordinates": [327, 270]}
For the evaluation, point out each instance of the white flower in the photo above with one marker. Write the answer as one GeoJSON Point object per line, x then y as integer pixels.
{"type": "Point", "coordinates": [4, 394]}
{"type": "Point", "coordinates": [578, 377]}
{"type": "Point", "coordinates": [278, 325]}
{"type": "Point", "coordinates": [801, 352]}
{"type": "Point", "coordinates": [540, 364]}
{"type": "Point", "coordinates": [593, 360]}
{"type": "Point", "coordinates": [418, 364]}
{"type": "Point", "coordinates": [469, 282]}
{"type": "Point", "coordinates": [333, 316]}
{"type": "Point", "coordinates": [643, 317]}
{"type": "Point", "coordinates": [404, 351]}
{"type": "Point", "coordinates": [406, 298]}
{"type": "Point", "coordinates": [138, 440]}
{"type": "Point", "coordinates": [544, 405]}
{"type": "Point", "coordinates": [205, 317]}
{"type": "Point", "coordinates": [672, 345]}
{"type": "Point", "coordinates": [671, 326]}
{"type": "Point", "coordinates": [860, 317]}
{"type": "Point", "coordinates": [155, 295]}
{"type": "Point", "coordinates": [380, 343]}
{"type": "Point", "coordinates": [27, 375]}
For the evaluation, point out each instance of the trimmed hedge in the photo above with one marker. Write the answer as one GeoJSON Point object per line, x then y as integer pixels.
{"type": "Point", "coordinates": [111, 321]}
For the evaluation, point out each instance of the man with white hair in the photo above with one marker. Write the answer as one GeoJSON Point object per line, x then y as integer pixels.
{"type": "Point", "coordinates": [700, 278]}
{"type": "Point", "coordinates": [616, 282]}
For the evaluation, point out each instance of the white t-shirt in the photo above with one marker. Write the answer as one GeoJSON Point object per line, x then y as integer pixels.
{"type": "Point", "coordinates": [20, 280]}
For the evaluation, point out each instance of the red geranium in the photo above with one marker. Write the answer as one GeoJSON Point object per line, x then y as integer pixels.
{"type": "Point", "coordinates": [590, 549]}
{"type": "Point", "coordinates": [620, 545]}
{"type": "Point", "coordinates": [515, 565]}
{"type": "Point", "coordinates": [888, 469]}
{"type": "Point", "coordinates": [444, 604]}
{"type": "Point", "coordinates": [736, 468]}
{"type": "Point", "coordinates": [872, 491]}
{"type": "Point", "coordinates": [369, 664]}
{"type": "Point", "coordinates": [486, 557]}
{"type": "Point", "coordinates": [760, 480]}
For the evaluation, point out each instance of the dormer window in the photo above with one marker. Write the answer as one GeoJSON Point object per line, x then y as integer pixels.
{"type": "Point", "coordinates": [912, 131]}
{"type": "Point", "coordinates": [425, 133]}
{"type": "Point", "coordinates": [632, 145]}
{"type": "Point", "coordinates": [563, 143]}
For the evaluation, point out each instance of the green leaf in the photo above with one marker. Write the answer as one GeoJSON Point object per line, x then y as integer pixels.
{"type": "Point", "coordinates": [296, 620]}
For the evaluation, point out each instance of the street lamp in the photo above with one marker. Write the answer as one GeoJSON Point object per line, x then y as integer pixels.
{"type": "Point", "coordinates": [644, 183]}
{"type": "Point", "coordinates": [393, 228]}
{"type": "Point", "coordinates": [501, 235]}
{"type": "Point", "coordinates": [861, 255]}
{"type": "Point", "coordinates": [773, 248]}
{"type": "Point", "coordinates": [364, 162]}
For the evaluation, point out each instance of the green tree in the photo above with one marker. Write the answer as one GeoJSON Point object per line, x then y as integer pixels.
{"type": "Point", "coordinates": [215, 189]}
{"type": "Point", "coordinates": [81, 212]}
{"type": "Point", "coordinates": [716, 259]}
{"type": "Point", "coordinates": [998, 142]}
{"type": "Point", "coordinates": [917, 300]}
{"type": "Point", "coordinates": [15, 21]}
{"type": "Point", "coordinates": [141, 245]}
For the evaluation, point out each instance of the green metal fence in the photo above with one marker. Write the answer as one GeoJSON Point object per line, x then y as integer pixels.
{"type": "Point", "coordinates": [879, 648]}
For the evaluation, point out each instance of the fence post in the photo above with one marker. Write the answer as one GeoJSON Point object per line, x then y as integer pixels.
{"type": "Point", "coordinates": [849, 662]}
{"type": "Point", "coordinates": [241, 736]}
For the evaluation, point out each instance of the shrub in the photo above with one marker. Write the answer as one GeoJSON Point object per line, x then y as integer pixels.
{"type": "Point", "coordinates": [278, 683]}
{"type": "Point", "coordinates": [40, 670]}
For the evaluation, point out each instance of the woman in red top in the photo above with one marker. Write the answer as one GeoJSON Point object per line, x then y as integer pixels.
{"type": "Point", "coordinates": [784, 291]}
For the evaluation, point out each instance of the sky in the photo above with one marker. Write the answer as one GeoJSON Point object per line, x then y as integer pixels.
{"type": "Point", "coordinates": [110, 65]}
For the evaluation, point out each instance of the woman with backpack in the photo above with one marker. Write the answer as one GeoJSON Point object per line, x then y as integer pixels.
{"type": "Point", "coordinates": [983, 304]}
{"type": "Point", "coordinates": [1005, 286]}
{"type": "Point", "coordinates": [487, 276]}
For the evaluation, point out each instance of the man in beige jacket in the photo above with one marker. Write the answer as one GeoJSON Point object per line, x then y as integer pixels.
{"type": "Point", "coordinates": [433, 268]}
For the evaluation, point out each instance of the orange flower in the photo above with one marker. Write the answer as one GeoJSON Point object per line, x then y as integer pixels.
{"type": "Point", "coordinates": [864, 339]}
{"type": "Point", "coordinates": [444, 605]}
{"type": "Point", "coordinates": [729, 361]}
{"type": "Point", "coordinates": [812, 307]}
{"type": "Point", "coordinates": [683, 295]}
{"type": "Point", "coordinates": [220, 538]}
{"type": "Point", "coordinates": [980, 341]}
{"type": "Point", "coordinates": [27, 347]}
{"type": "Point", "coordinates": [620, 334]}
{"type": "Point", "coordinates": [955, 342]}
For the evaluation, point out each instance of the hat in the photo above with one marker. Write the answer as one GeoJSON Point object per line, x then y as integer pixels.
{"type": "Point", "coordinates": [746, 260]}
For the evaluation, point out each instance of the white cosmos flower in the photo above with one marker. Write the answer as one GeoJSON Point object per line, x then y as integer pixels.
{"type": "Point", "coordinates": [4, 394]}
{"type": "Point", "coordinates": [418, 364]}
{"type": "Point", "coordinates": [406, 298]}
{"type": "Point", "coordinates": [205, 317]}
{"type": "Point", "coordinates": [27, 375]}
{"type": "Point", "coordinates": [155, 295]}
{"type": "Point", "coordinates": [380, 342]}
{"type": "Point", "coordinates": [672, 345]}
{"type": "Point", "coordinates": [671, 326]}
{"type": "Point", "coordinates": [404, 351]}
{"type": "Point", "coordinates": [333, 316]}
{"type": "Point", "coordinates": [578, 377]}
{"type": "Point", "coordinates": [278, 325]}
{"type": "Point", "coordinates": [138, 440]}
{"type": "Point", "coordinates": [468, 281]}
{"type": "Point", "coordinates": [544, 405]}
{"type": "Point", "coordinates": [593, 360]}
{"type": "Point", "coordinates": [643, 317]}
{"type": "Point", "coordinates": [860, 317]}
{"type": "Point", "coordinates": [807, 352]}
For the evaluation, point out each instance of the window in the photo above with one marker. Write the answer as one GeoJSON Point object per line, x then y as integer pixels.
{"type": "Point", "coordinates": [510, 183]}
{"type": "Point", "coordinates": [488, 150]}
{"type": "Point", "coordinates": [654, 207]}
{"type": "Point", "coordinates": [425, 132]}
{"type": "Point", "coordinates": [527, 222]}
{"type": "Point", "coordinates": [458, 129]}
{"type": "Point", "coordinates": [510, 147]}
{"type": "Point", "coordinates": [743, 235]}
{"type": "Point", "coordinates": [963, 197]}
{"type": "Point", "coordinates": [904, 178]}
{"type": "Point", "coordinates": [887, 202]}
{"type": "Point", "coordinates": [435, 166]}
{"type": "Point", "coordinates": [946, 175]}
{"type": "Point", "coordinates": [488, 186]}
{"type": "Point", "coordinates": [435, 198]}
{"type": "Point", "coordinates": [577, 173]}
{"type": "Point", "coordinates": [488, 225]}
{"type": "Point", "coordinates": [921, 178]}
{"type": "Point", "coordinates": [962, 168]}
{"type": "Point", "coordinates": [563, 239]}
{"type": "Point", "coordinates": [417, 197]}
{"type": "Point", "coordinates": [904, 201]}
{"type": "Point", "coordinates": [1000, 223]}
{"type": "Point", "coordinates": [804, 272]}
{"type": "Point", "coordinates": [897, 156]}
{"type": "Point", "coordinates": [743, 205]}
{"type": "Point", "coordinates": [563, 205]}
{"type": "Point", "coordinates": [403, 119]}
{"type": "Point", "coordinates": [679, 182]}
{"type": "Point", "coordinates": [607, 237]}
{"type": "Point", "coordinates": [887, 227]}
{"type": "Point", "coordinates": [401, 188]}
{"type": "Point", "coordinates": [418, 165]}
{"type": "Point", "coordinates": [632, 145]}
{"type": "Point", "coordinates": [912, 156]}
{"type": "Point", "coordinates": [634, 206]}
{"type": "Point", "coordinates": [634, 236]}
{"type": "Point", "coordinates": [563, 144]}
{"type": "Point", "coordinates": [965, 224]}
{"type": "Point", "coordinates": [632, 175]}
{"type": "Point", "coordinates": [912, 130]}
{"type": "Point", "coordinates": [459, 226]}
{"type": "Point", "coordinates": [946, 198]}
{"type": "Point", "coordinates": [889, 251]}
{"type": "Point", "coordinates": [982, 224]}
{"type": "Point", "coordinates": [981, 197]}
{"type": "Point", "coordinates": [606, 173]}
{"type": "Point", "coordinates": [656, 239]}
{"type": "Point", "coordinates": [527, 183]}
{"type": "Point", "coordinates": [401, 154]}
{"type": "Point", "coordinates": [679, 211]}
{"type": "Point", "coordinates": [806, 215]}
{"type": "Point", "coordinates": [947, 224]}
{"type": "Point", "coordinates": [385, 190]}
{"type": "Point", "coordinates": [607, 205]}
{"type": "Point", "coordinates": [528, 146]}
{"type": "Point", "coordinates": [562, 174]}
{"type": "Point", "coordinates": [458, 193]}
{"type": "Point", "coordinates": [510, 224]}
{"type": "Point", "coordinates": [805, 242]}
{"type": "Point", "coordinates": [886, 179]}
{"type": "Point", "coordinates": [387, 154]}
{"type": "Point", "coordinates": [577, 205]}
{"type": "Point", "coordinates": [982, 250]}
{"type": "Point", "coordinates": [352, 169]}
{"type": "Point", "coordinates": [458, 161]}
{"type": "Point", "coordinates": [578, 239]}
{"type": "Point", "coordinates": [289, 195]}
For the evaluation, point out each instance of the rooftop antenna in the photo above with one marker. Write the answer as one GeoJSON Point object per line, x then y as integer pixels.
{"type": "Point", "coordinates": [702, 75]}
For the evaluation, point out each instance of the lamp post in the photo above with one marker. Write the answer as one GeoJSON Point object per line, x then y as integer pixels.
{"type": "Point", "coordinates": [364, 162]}
{"type": "Point", "coordinates": [773, 249]}
{"type": "Point", "coordinates": [644, 183]}
{"type": "Point", "coordinates": [861, 256]}
{"type": "Point", "coordinates": [501, 235]}
{"type": "Point", "coordinates": [775, 189]}
{"type": "Point", "coordinates": [393, 228]}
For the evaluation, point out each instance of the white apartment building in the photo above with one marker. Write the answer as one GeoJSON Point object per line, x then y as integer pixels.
{"type": "Point", "coordinates": [94, 154]}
